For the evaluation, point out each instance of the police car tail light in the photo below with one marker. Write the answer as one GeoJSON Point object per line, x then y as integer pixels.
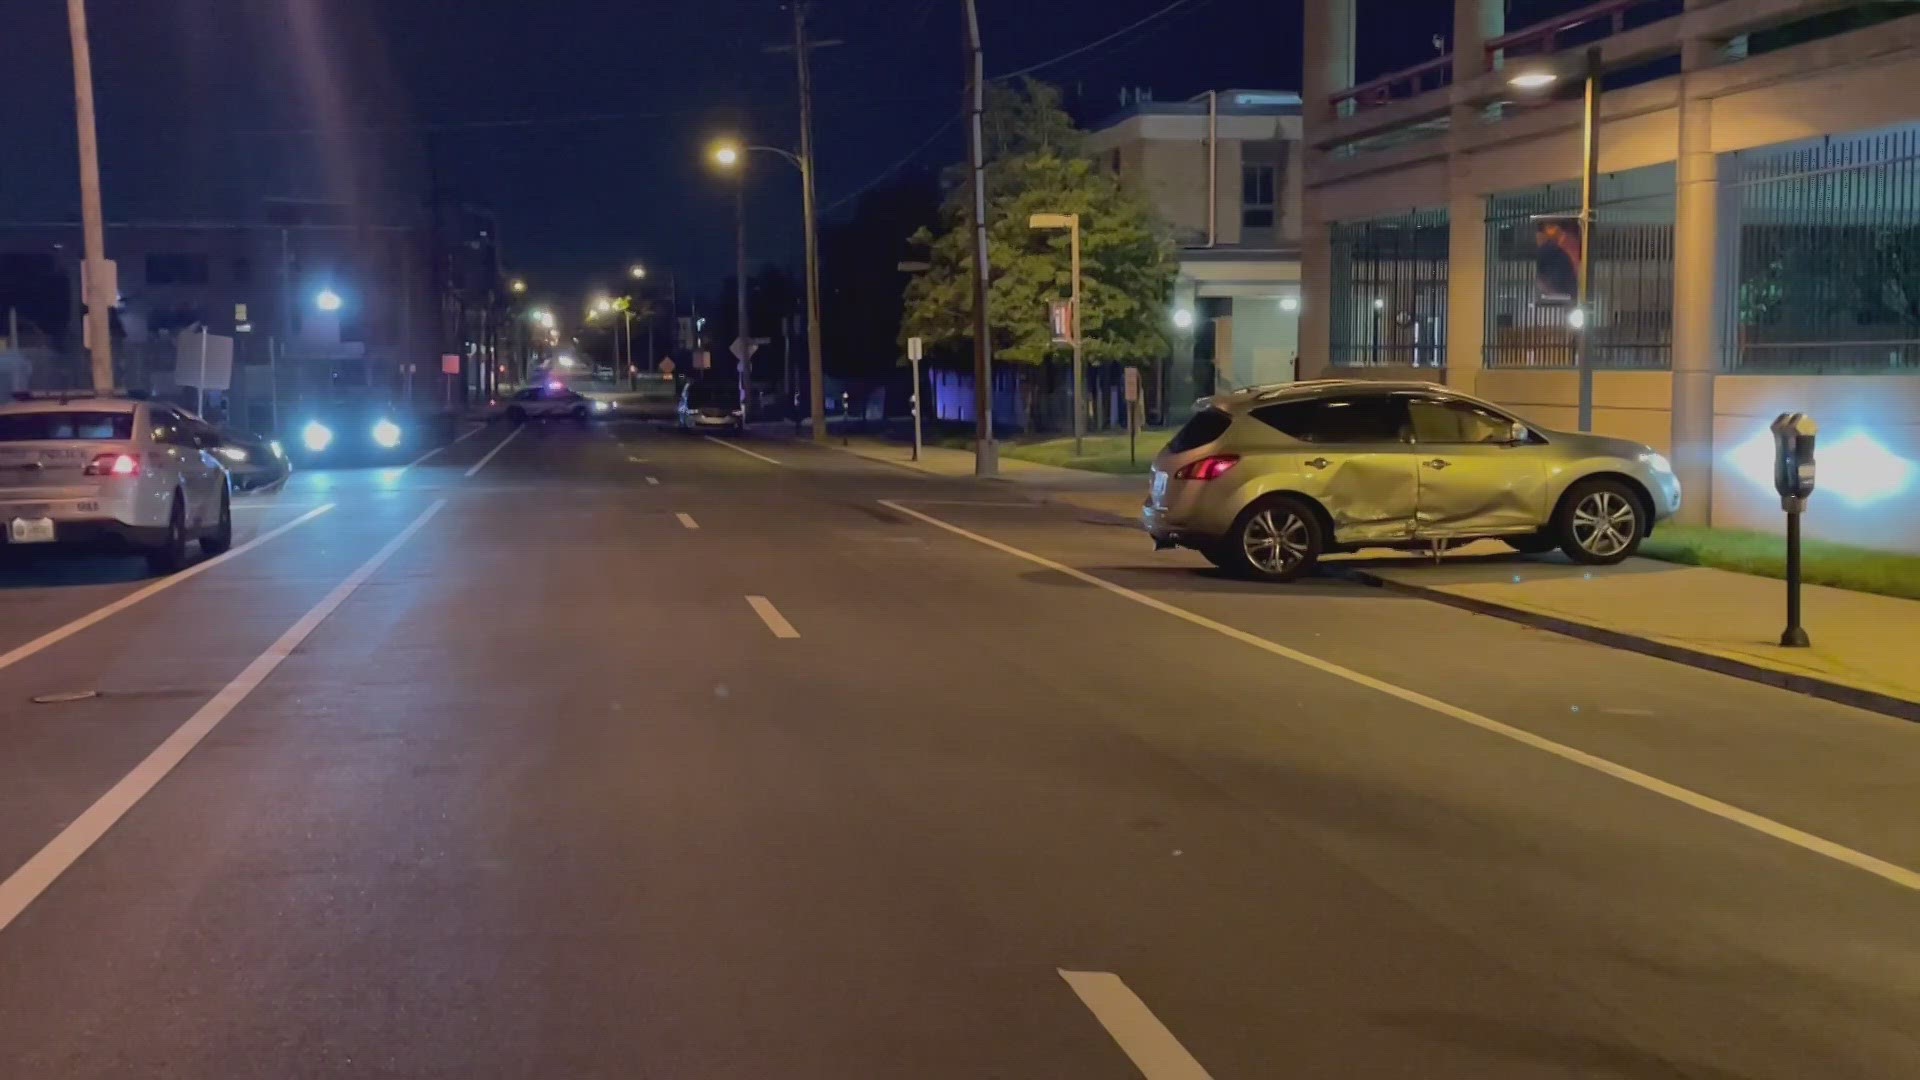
{"type": "Point", "coordinates": [113, 465]}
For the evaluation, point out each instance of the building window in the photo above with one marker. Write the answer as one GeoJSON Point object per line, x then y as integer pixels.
{"type": "Point", "coordinates": [1256, 196]}
{"type": "Point", "coordinates": [1388, 305]}
{"type": "Point", "coordinates": [171, 268]}
{"type": "Point", "coordinates": [1630, 294]}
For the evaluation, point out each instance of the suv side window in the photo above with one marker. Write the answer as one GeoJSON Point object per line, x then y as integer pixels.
{"type": "Point", "coordinates": [1439, 420]}
{"type": "Point", "coordinates": [1352, 418]}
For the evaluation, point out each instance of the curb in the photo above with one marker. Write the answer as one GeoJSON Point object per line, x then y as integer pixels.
{"type": "Point", "coordinates": [1825, 689]}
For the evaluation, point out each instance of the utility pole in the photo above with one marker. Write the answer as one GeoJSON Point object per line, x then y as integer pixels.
{"type": "Point", "coordinates": [802, 47]}
{"type": "Point", "coordinates": [985, 454]}
{"type": "Point", "coordinates": [97, 276]}
{"type": "Point", "coordinates": [816, 367]}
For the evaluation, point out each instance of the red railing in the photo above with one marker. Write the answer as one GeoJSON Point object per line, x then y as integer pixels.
{"type": "Point", "coordinates": [1579, 27]}
{"type": "Point", "coordinates": [1583, 26]}
{"type": "Point", "coordinates": [1395, 86]}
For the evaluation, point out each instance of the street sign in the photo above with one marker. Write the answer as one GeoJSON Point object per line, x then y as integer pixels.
{"type": "Point", "coordinates": [914, 346]}
{"type": "Point", "coordinates": [449, 363]}
{"type": "Point", "coordinates": [743, 350]}
{"type": "Point", "coordinates": [204, 361]}
{"type": "Point", "coordinates": [1133, 384]}
{"type": "Point", "coordinates": [666, 366]}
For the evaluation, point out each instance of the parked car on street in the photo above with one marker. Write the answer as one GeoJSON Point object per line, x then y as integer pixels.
{"type": "Point", "coordinates": [547, 401]}
{"type": "Point", "coordinates": [1264, 481]}
{"type": "Point", "coordinates": [112, 474]}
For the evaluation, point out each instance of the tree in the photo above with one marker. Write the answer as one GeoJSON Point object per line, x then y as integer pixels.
{"type": "Point", "coordinates": [1037, 164]}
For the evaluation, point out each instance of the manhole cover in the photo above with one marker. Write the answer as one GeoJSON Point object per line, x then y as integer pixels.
{"type": "Point", "coordinates": [61, 697]}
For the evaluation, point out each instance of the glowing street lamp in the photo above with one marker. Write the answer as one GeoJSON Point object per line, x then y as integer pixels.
{"type": "Point", "coordinates": [637, 272]}
{"type": "Point", "coordinates": [327, 300]}
{"type": "Point", "coordinates": [519, 286]}
{"type": "Point", "coordinates": [727, 154]}
{"type": "Point", "coordinates": [1183, 318]}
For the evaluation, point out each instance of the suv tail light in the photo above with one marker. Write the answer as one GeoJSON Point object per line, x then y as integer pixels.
{"type": "Point", "coordinates": [1208, 468]}
{"type": "Point", "coordinates": [113, 465]}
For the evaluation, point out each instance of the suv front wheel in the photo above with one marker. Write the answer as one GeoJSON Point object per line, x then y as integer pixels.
{"type": "Point", "coordinates": [1600, 522]}
{"type": "Point", "coordinates": [1276, 539]}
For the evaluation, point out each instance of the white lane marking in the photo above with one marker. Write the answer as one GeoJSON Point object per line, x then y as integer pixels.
{"type": "Point", "coordinates": [429, 455]}
{"type": "Point", "coordinates": [770, 615]}
{"type": "Point", "coordinates": [38, 873]}
{"type": "Point", "coordinates": [423, 458]}
{"type": "Point", "coordinates": [59, 634]}
{"type": "Point", "coordinates": [653, 481]}
{"type": "Point", "coordinates": [1146, 1041]}
{"type": "Point", "coordinates": [1899, 875]}
{"type": "Point", "coordinates": [501, 445]}
{"type": "Point", "coordinates": [687, 521]}
{"type": "Point", "coordinates": [636, 460]}
{"type": "Point", "coordinates": [740, 449]}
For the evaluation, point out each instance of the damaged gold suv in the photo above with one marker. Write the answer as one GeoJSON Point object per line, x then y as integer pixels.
{"type": "Point", "coordinates": [1266, 480]}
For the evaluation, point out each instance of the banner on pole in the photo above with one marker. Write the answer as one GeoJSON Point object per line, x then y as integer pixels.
{"type": "Point", "coordinates": [1557, 243]}
{"type": "Point", "coordinates": [1060, 315]}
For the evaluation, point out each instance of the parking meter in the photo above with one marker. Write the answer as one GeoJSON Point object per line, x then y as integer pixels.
{"type": "Point", "coordinates": [1793, 438]}
{"type": "Point", "coordinates": [1793, 435]}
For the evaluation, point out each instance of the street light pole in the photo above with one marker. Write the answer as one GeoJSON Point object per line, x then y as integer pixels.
{"type": "Point", "coordinates": [99, 289]}
{"type": "Point", "coordinates": [744, 336]}
{"type": "Point", "coordinates": [1589, 179]}
{"type": "Point", "coordinates": [1079, 376]}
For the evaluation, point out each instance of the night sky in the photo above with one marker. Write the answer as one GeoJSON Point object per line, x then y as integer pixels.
{"type": "Point", "coordinates": [582, 122]}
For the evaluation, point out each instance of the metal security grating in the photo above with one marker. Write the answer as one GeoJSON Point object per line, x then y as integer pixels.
{"type": "Point", "coordinates": [1631, 295]}
{"type": "Point", "coordinates": [1389, 302]}
{"type": "Point", "coordinates": [1826, 258]}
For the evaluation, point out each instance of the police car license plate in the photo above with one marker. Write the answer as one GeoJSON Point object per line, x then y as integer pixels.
{"type": "Point", "coordinates": [30, 531]}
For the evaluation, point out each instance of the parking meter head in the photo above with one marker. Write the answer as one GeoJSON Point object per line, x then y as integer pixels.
{"type": "Point", "coordinates": [1793, 466]}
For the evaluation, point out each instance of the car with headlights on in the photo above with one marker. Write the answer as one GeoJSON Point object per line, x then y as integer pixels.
{"type": "Point", "coordinates": [1266, 480]}
{"type": "Point", "coordinates": [111, 474]}
{"type": "Point", "coordinates": [354, 433]}
{"type": "Point", "coordinates": [546, 402]}
{"type": "Point", "coordinates": [255, 465]}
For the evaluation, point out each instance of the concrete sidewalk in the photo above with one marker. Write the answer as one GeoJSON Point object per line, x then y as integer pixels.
{"type": "Point", "coordinates": [1103, 493]}
{"type": "Point", "coordinates": [1863, 645]}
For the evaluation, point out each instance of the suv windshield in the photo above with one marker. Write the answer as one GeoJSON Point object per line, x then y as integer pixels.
{"type": "Point", "coordinates": [713, 396]}
{"type": "Point", "coordinates": [54, 426]}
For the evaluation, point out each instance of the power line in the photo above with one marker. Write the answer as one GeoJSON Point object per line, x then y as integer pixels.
{"type": "Point", "coordinates": [1096, 43]}
{"type": "Point", "coordinates": [891, 169]}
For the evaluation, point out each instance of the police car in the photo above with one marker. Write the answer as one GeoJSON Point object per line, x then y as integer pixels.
{"type": "Point", "coordinates": [112, 474]}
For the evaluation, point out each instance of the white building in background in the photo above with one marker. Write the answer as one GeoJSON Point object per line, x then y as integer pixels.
{"type": "Point", "coordinates": [1223, 169]}
{"type": "Point", "coordinates": [1757, 222]}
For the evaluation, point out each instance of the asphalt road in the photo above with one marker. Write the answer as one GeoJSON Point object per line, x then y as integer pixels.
{"type": "Point", "coordinates": [607, 752]}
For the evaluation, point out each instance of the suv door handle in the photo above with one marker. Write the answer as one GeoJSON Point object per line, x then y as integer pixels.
{"type": "Point", "coordinates": [1436, 464]}
{"type": "Point", "coordinates": [1317, 463]}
